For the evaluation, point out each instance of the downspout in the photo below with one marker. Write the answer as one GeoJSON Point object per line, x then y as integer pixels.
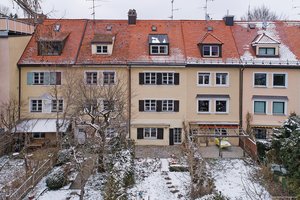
{"type": "Point", "coordinates": [19, 97]}
{"type": "Point", "coordinates": [241, 91]}
{"type": "Point", "coordinates": [129, 101]}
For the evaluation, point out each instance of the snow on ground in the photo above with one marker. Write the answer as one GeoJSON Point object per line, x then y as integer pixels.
{"type": "Point", "coordinates": [235, 179]}
{"type": "Point", "coordinates": [60, 195]}
{"type": "Point", "coordinates": [93, 187]}
{"type": "Point", "coordinates": [10, 170]}
{"type": "Point", "coordinates": [158, 182]}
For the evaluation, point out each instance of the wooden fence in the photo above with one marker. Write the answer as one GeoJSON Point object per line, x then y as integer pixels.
{"type": "Point", "coordinates": [23, 190]}
{"type": "Point", "coordinates": [249, 147]}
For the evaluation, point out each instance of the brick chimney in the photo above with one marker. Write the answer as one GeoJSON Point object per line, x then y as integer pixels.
{"type": "Point", "coordinates": [229, 20]}
{"type": "Point", "coordinates": [132, 16]}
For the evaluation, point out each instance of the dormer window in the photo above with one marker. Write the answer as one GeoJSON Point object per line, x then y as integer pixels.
{"type": "Point", "coordinates": [52, 45]}
{"type": "Point", "coordinates": [103, 44]}
{"type": "Point", "coordinates": [158, 44]}
{"type": "Point", "coordinates": [210, 46]}
{"type": "Point", "coordinates": [265, 46]}
{"type": "Point", "coordinates": [211, 51]}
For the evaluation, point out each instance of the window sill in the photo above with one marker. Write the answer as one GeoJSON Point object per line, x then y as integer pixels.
{"type": "Point", "coordinates": [199, 85]}
{"type": "Point", "coordinates": [146, 138]}
{"type": "Point", "coordinates": [260, 86]}
{"type": "Point", "coordinates": [206, 113]}
{"type": "Point", "coordinates": [279, 87]}
{"type": "Point", "coordinates": [221, 113]}
{"type": "Point", "coordinates": [275, 114]}
{"type": "Point", "coordinates": [260, 113]}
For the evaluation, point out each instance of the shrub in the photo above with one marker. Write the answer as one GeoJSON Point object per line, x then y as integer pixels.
{"type": "Point", "coordinates": [56, 180]}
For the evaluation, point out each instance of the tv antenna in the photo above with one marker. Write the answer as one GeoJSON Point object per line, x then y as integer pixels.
{"type": "Point", "coordinates": [95, 6]}
{"type": "Point", "coordinates": [172, 10]}
{"type": "Point", "coordinates": [207, 17]}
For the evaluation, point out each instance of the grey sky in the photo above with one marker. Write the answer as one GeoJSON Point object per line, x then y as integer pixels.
{"type": "Point", "coordinates": [161, 9]}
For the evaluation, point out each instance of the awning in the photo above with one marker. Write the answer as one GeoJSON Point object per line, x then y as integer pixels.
{"type": "Point", "coordinates": [41, 126]}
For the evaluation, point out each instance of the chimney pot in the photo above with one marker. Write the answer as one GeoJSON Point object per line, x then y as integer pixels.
{"type": "Point", "coordinates": [132, 16]}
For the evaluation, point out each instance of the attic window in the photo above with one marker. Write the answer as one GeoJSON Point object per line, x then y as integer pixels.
{"type": "Point", "coordinates": [211, 50]}
{"type": "Point", "coordinates": [50, 48]}
{"type": "Point", "coordinates": [102, 49]}
{"type": "Point", "coordinates": [103, 43]}
{"type": "Point", "coordinates": [210, 46]}
{"type": "Point", "coordinates": [108, 28]}
{"type": "Point", "coordinates": [158, 44]}
{"type": "Point", "coordinates": [57, 27]}
{"type": "Point", "coordinates": [265, 46]}
{"type": "Point", "coordinates": [266, 51]}
{"type": "Point", "coordinates": [153, 28]}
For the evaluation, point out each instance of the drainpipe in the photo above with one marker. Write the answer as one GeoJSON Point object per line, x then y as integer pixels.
{"type": "Point", "coordinates": [241, 91]}
{"type": "Point", "coordinates": [19, 97]}
{"type": "Point", "coordinates": [129, 101]}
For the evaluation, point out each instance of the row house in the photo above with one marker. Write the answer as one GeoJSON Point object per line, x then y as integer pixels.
{"type": "Point", "coordinates": [179, 74]}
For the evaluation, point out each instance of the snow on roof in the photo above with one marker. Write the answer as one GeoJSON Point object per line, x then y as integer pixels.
{"type": "Point", "coordinates": [264, 39]}
{"type": "Point", "coordinates": [41, 126]}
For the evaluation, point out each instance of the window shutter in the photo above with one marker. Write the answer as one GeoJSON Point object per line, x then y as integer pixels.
{"type": "Point", "coordinates": [176, 106]}
{"type": "Point", "coordinates": [46, 78]}
{"type": "Point", "coordinates": [58, 78]}
{"type": "Point", "coordinates": [140, 133]}
{"type": "Point", "coordinates": [160, 133]}
{"type": "Point", "coordinates": [141, 105]}
{"type": "Point", "coordinates": [46, 106]}
{"type": "Point", "coordinates": [158, 78]}
{"type": "Point", "coordinates": [171, 136]}
{"type": "Point", "coordinates": [29, 78]}
{"type": "Point", "coordinates": [176, 78]}
{"type": "Point", "coordinates": [52, 78]}
{"type": "Point", "coordinates": [158, 106]}
{"type": "Point", "coordinates": [141, 78]}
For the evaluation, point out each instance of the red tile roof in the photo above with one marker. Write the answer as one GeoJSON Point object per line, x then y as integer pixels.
{"type": "Point", "coordinates": [209, 38]}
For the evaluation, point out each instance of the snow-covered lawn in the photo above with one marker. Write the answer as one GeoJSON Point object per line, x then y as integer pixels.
{"type": "Point", "coordinates": [235, 178]}
{"type": "Point", "coordinates": [11, 170]}
{"type": "Point", "coordinates": [155, 181]}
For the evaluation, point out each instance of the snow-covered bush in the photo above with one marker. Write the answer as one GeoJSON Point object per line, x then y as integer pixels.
{"type": "Point", "coordinates": [56, 180]}
{"type": "Point", "coordinates": [63, 156]}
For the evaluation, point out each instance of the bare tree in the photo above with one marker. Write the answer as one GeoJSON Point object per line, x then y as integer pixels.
{"type": "Point", "coordinates": [262, 13]}
{"type": "Point", "coordinates": [4, 10]}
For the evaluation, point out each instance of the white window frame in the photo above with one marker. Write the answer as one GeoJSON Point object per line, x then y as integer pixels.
{"type": "Point", "coordinates": [36, 110]}
{"type": "Point", "coordinates": [267, 103]}
{"type": "Point", "coordinates": [222, 84]}
{"type": "Point", "coordinates": [60, 105]}
{"type": "Point", "coordinates": [159, 46]}
{"type": "Point", "coordinates": [209, 105]}
{"type": "Point", "coordinates": [101, 48]}
{"type": "Point", "coordinates": [209, 78]}
{"type": "Point", "coordinates": [227, 106]}
{"type": "Point", "coordinates": [261, 86]}
{"type": "Point", "coordinates": [177, 135]}
{"type": "Point", "coordinates": [285, 83]}
{"type": "Point", "coordinates": [267, 55]}
{"type": "Point", "coordinates": [285, 107]}
{"type": "Point", "coordinates": [210, 50]}
{"type": "Point", "coordinates": [92, 78]}
{"type": "Point", "coordinates": [151, 102]}
{"type": "Point", "coordinates": [152, 78]}
{"type": "Point", "coordinates": [40, 78]}
{"type": "Point", "coordinates": [167, 105]}
{"type": "Point", "coordinates": [150, 131]}
{"type": "Point", "coordinates": [111, 79]}
{"type": "Point", "coordinates": [168, 78]}
{"type": "Point", "coordinates": [40, 135]}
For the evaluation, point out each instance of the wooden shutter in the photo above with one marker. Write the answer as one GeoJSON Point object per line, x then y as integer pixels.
{"type": "Point", "coordinates": [158, 78]}
{"type": "Point", "coordinates": [171, 136]}
{"type": "Point", "coordinates": [176, 106]}
{"type": "Point", "coordinates": [46, 105]}
{"type": "Point", "coordinates": [141, 78]}
{"type": "Point", "coordinates": [176, 78]}
{"type": "Point", "coordinates": [160, 133]}
{"type": "Point", "coordinates": [52, 78]}
{"type": "Point", "coordinates": [46, 78]}
{"type": "Point", "coordinates": [140, 133]}
{"type": "Point", "coordinates": [29, 78]}
{"type": "Point", "coordinates": [141, 105]}
{"type": "Point", "coordinates": [158, 105]}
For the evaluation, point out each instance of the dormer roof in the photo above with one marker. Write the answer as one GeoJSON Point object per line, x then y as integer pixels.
{"type": "Point", "coordinates": [60, 36]}
{"type": "Point", "coordinates": [264, 39]}
{"type": "Point", "coordinates": [158, 39]}
{"type": "Point", "coordinates": [209, 38]}
{"type": "Point", "coordinates": [103, 38]}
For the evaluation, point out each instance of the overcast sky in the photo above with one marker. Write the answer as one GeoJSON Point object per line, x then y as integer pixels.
{"type": "Point", "coordinates": [160, 9]}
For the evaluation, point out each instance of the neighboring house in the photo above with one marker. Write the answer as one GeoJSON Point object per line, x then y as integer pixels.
{"type": "Point", "coordinates": [14, 36]}
{"type": "Point", "coordinates": [203, 75]}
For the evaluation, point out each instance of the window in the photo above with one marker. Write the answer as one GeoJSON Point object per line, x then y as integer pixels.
{"type": "Point", "coordinates": [50, 48]}
{"type": "Point", "coordinates": [57, 105]}
{"type": "Point", "coordinates": [177, 135]}
{"type": "Point", "coordinates": [221, 106]}
{"type": "Point", "coordinates": [108, 105]}
{"type": "Point", "coordinates": [150, 105]}
{"type": "Point", "coordinates": [91, 78]}
{"type": "Point", "coordinates": [260, 133]}
{"type": "Point", "coordinates": [279, 80]}
{"type": "Point", "coordinates": [221, 78]}
{"type": "Point", "coordinates": [150, 78]}
{"type": "Point", "coordinates": [158, 49]}
{"type": "Point", "coordinates": [210, 51]}
{"type": "Point", "coordinates": [102, 49]}
{"type": "Point", "coordinates": [167, 78]}
{"type": "Point", "coordinates": [266, 51]}
{"type": "Point", "coordinates": [278, 108]}
{"type": "Point", "coordinates": [260, 107]}
{"type": "Point", "coordinates": [38, 135]}
{"type": "Point", "coordinates": [203, 106]}
{"type": "Point", "coordinates": [150, 133]}
{"type": "Point", "coordinates": [108, 78]}
{"type": "Point", "coordinates": [260, 79]}
{"type": "Point", "coordinates": [167, 105]}
{"type": "Point", "coordinates": [38, 78]}
{"type": "Point", "coordinates": [36, 105]}
{"type": "Point", "coordinates": [204, 78]}
{"type": "Point", "coordinates": [221, 131]}
{"type": "Point", "coordinates": [110, 132]}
